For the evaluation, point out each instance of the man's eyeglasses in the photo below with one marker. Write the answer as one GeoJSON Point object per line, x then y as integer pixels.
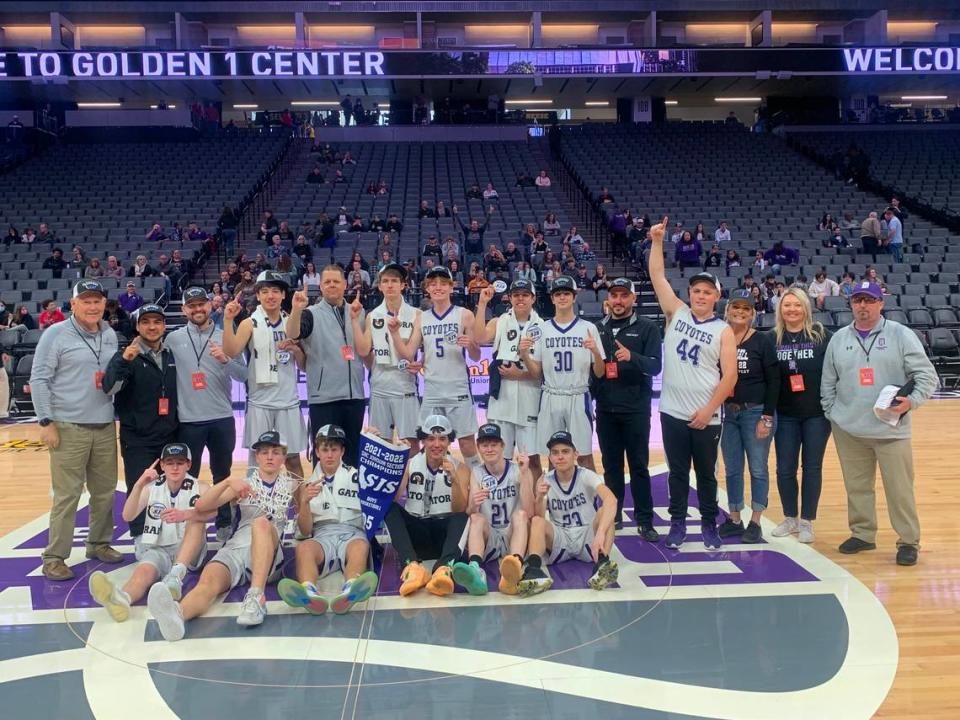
{"type": "Point", "coordinates": [866, 299]}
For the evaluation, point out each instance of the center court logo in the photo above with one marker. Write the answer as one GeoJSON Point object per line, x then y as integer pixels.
{"type": "Point", "coordinates": [763, 631]}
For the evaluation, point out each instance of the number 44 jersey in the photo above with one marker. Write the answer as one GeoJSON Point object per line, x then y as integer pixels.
{"type": "Point", "coordinates": [691, 364]}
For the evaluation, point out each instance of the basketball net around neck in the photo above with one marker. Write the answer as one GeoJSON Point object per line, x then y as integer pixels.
{"type": "Point", "coordinates": [274, 501]}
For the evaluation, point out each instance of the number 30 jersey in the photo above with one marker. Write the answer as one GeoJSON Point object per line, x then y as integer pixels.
{"type": "Point", "coordinates": [567, 364]}
{"type": "Point", "coordinates": [691, 364]}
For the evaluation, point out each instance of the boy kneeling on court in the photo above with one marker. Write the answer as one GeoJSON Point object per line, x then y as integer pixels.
{"type": "Point", "coordinates": [252, 553]}
{"type": "Point", "coordinates": [568, 525]}
{"type": "Point", "coordinates": [501, 503]}
{"type": "Point", "coordinates": [329, 516]}
{"type": "Point", "coordinates": [433, 521]}
{"type": "Point", "coordinates": [174, 533]}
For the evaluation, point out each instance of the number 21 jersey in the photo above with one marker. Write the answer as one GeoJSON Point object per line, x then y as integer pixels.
{"type": "Point", "coordinates": [691, 364]}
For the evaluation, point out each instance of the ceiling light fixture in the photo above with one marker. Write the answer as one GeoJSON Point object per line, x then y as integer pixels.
{"type": "Point", "coordinates": [245, 107]}
{"type": "Point", "coordinates": [91, 105]}
{"type": "Point", "coordinates": [315, 103]}
{"type": "Point", "coordinates": [671, 102]}
{"type": "Point", "coordinates": [528, 102]}
{"type": "Point", "coordinates": [597, 103]}
{"type": "Point", "coordinates": [923, 97]}
{"type": "Point", "coordinates": [738, 99]}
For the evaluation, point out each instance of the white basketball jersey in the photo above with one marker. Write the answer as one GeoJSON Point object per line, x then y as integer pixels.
{"type": "Point", "coordinates": [576, 505]}
{"type": "Point", "coordinates": [388, 376]}
{"type": "Point", "coordinates": [445, 374]}
{"type": "Point", "coordinates": [691, 364]}
{"type": "Point", "coordinates": [282, 394]}
{"type": "Point", "coordinates": [567, 365]}
{"type": "Point", "coordinates": [504, 492]}
{"type": "Point", "coordinates": [518, 401]}
{"type": "Point", "coordinates": [428, 492]}
{"type": "Point", "coordinates": [155, 530]}
{"type": "Point", "coordinates": [338, 501]}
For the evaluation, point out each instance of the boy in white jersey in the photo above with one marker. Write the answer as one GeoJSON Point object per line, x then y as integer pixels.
{"type": "Point", "coordinates": [567, 524]}
{"type": "Point", "coordinates": [174, 533]}
{"type": "Point", "coordinates": [445, 333]}
{"type": "Point", "coordinates": [394, 404]}
{"type": "Point", "coordinates": [329, 515]}
{"type": "Point", "coordinates": [514, 401]}
{"type": "Point", "coordinates": [699, 373]}
{"type": "Point", "coordinates": [253, 553]}
{"type": "Point", "coordinates": [567, 351]}
{"type": "Point", "coordinates": [500, 506]}
{"type": "Point", "coordinates": [432, 522]}
{"type": "Point", "coordinates": [273, 399]}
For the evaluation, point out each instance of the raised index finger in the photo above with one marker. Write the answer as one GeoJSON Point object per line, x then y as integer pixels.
{"type": "Point", "coordinates": [664, 221]}
{"type": "Point", "coordinates": [155, 463]}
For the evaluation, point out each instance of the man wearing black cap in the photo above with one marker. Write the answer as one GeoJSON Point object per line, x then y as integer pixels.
{"type": "Point", "coordinates": [143, 382]}
{"type": "Point", "coordinates": [624, 394]}
{"type": "Point", "coordinates": [76, 424]}
{"type": "Point", "coordinates": [204, 392]}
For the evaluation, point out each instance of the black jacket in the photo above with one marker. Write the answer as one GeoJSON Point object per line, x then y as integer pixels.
{"type": "Point", "coordinates": [138, 401]}
{"type": "Point", "coordinates": [632, 390]}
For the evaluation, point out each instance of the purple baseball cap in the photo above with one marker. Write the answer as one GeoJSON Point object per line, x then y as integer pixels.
{"type": "Point", "coordinates": [867, 288]}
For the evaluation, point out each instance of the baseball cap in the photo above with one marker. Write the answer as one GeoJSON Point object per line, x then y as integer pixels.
{"type": "Point", "coordinates": [740, 296]}
{"type": "Point", "coordinates": [194, 293]}
{"type": "Point", "coordinates": [441, 272]}
{"type": "Point", "coordinates": [623, 283]}
{"type": "Point", "coordinates": [489, 431]}
{"type": "Point", "coordinates": [395, 267]}
{"type": "Point", "coordinates": [561, 437]}
{"type": "Point", "coordinates": [269, 438]}
{"type": "Point", "coordinates": [867, 288]}
{"type": "Point", "coordinates": [704, 277]}
{"type": "Point", "coordinates": [522, 285]}
{"type": "Point", "coordinates": [88, 286]}
{"type": "Point", "coordinates": [150, 309]}
{"type": "Point", "coordinates": [272, 277]}
{"type": "Point", "coordinates": [436, 424]}
{"type": "Point", "coordinates": [563, 282]}
{"type": "Point", "coordinates": [176, 450]}
{"type": "Point", "coordinates": [331, 432]}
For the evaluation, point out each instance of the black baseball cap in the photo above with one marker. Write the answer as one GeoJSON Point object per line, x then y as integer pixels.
{"type": "Point", "coordinates": [522, 285]}
{"type": "Point", "coordinates": [150, 309]}
{"type": "Point", "coordinates": [740, 296]}
{"type": "Point", "coordinates": [88, 286]}
{"type": "Point", "coordinates": [395, 267]}
{"type": "Point", "coordinates": [489, 431]}
{"type": "Point", "coordinates": [439, 271]}
{"type": "Point", "coordinates": [563, 282]}
{"type": "Point", "coordinates": [331, 432]}
{"type": "Point", "coordinates": [622, 283]}
{"type": "Point", "coordinates": [561, 437]}
{"type": "Point", "coordinates": [178, 451]}
{"type": "Point", "coordinates": [194, 293]}
{"type": "Point", "coordinates": [704, 277]}
{"type": "Point", "coordinates": [269, 438]}
{"type": "Point", "coordinates": [272, 277]}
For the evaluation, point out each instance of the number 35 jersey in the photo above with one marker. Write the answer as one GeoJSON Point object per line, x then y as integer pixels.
{"type": "Point", "coordinates": [691, 364]}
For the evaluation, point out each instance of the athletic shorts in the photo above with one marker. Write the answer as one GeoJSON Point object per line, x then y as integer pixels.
{"type": "Point", "coordinates": [570, 543]}
{"type": "Point", "coordinates": [393, 412]}
{"type": "Point", "coordinates": [572, 413]}
{"type": "Point", "coordinates": [162, 557]}
{"type": "Point", "coordinates": [288, 422]}
{"type": "Point", "coordinates": [461, 414]}
{"type": "Point", "coordinates": [498, 544]}
{"type": "Point", "coordinates": [333, 539]}
{"type": "Point", "coordinates": [235, 555]}
{"type": "Point", "coordinates": [523, 437]}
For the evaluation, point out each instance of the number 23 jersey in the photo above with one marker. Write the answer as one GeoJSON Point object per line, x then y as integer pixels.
{"type": "Point", "coordinates": [691, 364]}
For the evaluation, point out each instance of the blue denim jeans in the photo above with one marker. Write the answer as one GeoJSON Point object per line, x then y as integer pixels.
{"type": "Point", "coordinates": [739, 438]}
{"type": "Point", "coordinates": [896, 250]}
{"type": "Point", "coordinates": [801, 438]}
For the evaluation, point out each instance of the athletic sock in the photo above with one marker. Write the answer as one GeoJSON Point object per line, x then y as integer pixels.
{"type": "Point", "coordinates": [601, 559]}
{"type": "Point", "coordinates": [477, 559]}
{"type": "Point", "coordinates": [123, 595]}
{"type": "Point", "coordinates": [534, 560]}
{"type": "Point", "coordinates": [179, 571]}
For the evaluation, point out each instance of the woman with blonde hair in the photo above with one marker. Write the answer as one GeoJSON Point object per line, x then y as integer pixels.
{"type": "Point", "coordinates": [802, 429]}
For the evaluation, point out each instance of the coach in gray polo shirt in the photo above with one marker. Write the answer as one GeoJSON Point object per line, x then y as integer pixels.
{"type": "Point", "coordinates": [204, 402]}
{"type": "Point", "coordinates": [76, 424]}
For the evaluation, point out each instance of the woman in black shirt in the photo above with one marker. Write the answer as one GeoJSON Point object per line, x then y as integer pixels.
{"type": "Point", "coordinates": [802, 429]}
{"type": "Point", "coordinates": [748, 418]}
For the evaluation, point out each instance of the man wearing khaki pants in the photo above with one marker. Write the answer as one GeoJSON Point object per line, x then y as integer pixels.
{"type": "Point", "coordinates": [76, 424]}
{"type": "Point", "coordinates": [861, 360]}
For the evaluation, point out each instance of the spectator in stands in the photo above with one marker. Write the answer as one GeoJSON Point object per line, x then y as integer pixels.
{"type": "Point", "coordinates": [79, 260]}
{"type": "Point", "coordinates": [358, 281]}
{"type": "Point", "coordinates": [51, 315]}
{"type": "Point", "coordinates": [425, 211]}
{"type": "Point", "coordinates": [759, 262]}
{"type": "Point", "coordinates": [46, 235]}
{"type": "Point", "coordinates": [94, 270]}
{"type": "Point", "coordinates": [315, 176]}
{"type": "Point", "coordinates": [216, 289]}
{"type": "Point", "coordinates": [339, 178]}
{"type": "Point", "coordinates": [441, 210]}
{"type": "Point", "coordinates": [528, 236]}
{"type": "Point", "coordinates": [310, 280]}
{"type": "Point", "coordinates": [473, 234]}
{"type": "Point", "coordinates": [285, 266]}
{"type": "Point", "coordinates": [131, 300]}
{"type": "Point", "coordinates": [759, 301]}
{"type": "Point", "coordinates": [235, 272]}
{"type": "Point", "coordinates": [357, 225]}
{"type": "Point", "coordinates": [551, 272]}
{"type": "Point", "coordinates": [524, 180]}
{"type": "Point", "coordinates": [450, 248]}
{"type": "Point", "coordinates": [432, 248]}
{"type": "Point", "coordinates": [489, 194]}
{"type": "Point", "coordinates": [586, 253]}
{"type": "Point", "coordinates": [538, 250]}
{"type": "Point", "coordinates": [302, 252]}
{"type": "Point", "coordinates": [699, 234]}
{"type": "Point", "coordinates": [600, 281]}
{"type": "Point", "coordinates": [550, 225]}
{"type": "Point", "coordinates": [573, 237]}
{"type": "Point", "coordinates": [347, 159]}
{"type": "Point", "coordinates": [722, 234]}
{"type": "Point", "coordinates": [581, 278]}
{"type": "Point", "coordinates": [523, 271]}
{"type": "Point", "coordinates": [474, 192]}
{"type": "Point", "coordinates": [23, 318]}
{"type": "Point", "coordinates": [822, 287]}
{"type": "Point", "coordinates": [276, 250]}
{"type": "Point", "coordinates": [372, 188]}
{"type": "Point", "coordinates": [393, 223]}
{"type": "Point", "coordinates": [285, 233]}
{"type": "Point", "coordinates": [835, 238]}
{"type": "Point", "coordinates": [358, 256]}
{"type": "Point", "coordinates": [228, 224]}
{"type": "Point", "coordinates": [216, 311]}
{"type": "Point", "coordinates": [748, 282]}
{"type": "Point", "coordinates": [618, 231]}
{"type": "Point", "coordinates": [246, 287]}
{"type": "Point", "coordinates": [140, 268]}
{"type": "Point", "coordinates": [894, 240]}
{"type": "Point", "coordinates": [114, 269]}
{"type": "Point", "coordinates": [714, 258]}
{"type": "Point", "coordinates": [677, 233]}
{"type": "Point", "coordinates": [605, 197]}
{"type": "Point", "coordinates": [543, 181]}
{"type": "Point", "coordinates": [897, 209]}
{"type": "Point", "coordinates": [781, 256]}
{"type": "Point", "coordinates": [494, 262]}
{"type": "Point", "coordinates": [769, 285]}
{"type": "Point", "coordinates": [848, 222]}
{"type": "Point", "coordinates": [825, 222]}
{"type": "Point", "coordinates": [773, 300]}
{"type": "Point", "coordinates": [871, 275]}
{"type": "Point", "coordinates": [871, 234]}
{"type": "Point", "coordinates": [116, 317]}
{"type": "Point", "coordinates": [689, 252]}
{"type": "Point", "coordinates": [155, 233]}
{"type": "Point", "coordinates": [458, 281]}
{"type": "Point", "coordinates": [347, 106]}
{"type": "Point", "coordinates": [12, 237]}
{"type": "Point", "coordinates": [377, 224]}
{"type": "Point", "coordinates": [386, 258]}
{"type": "Point", "coordinates": [29, 236]}
{"type": "Point", "coordinates": [731, 259]}
{"type": "Point", "coordinates": [512, 253]}
{"type": "Point", "coordinates": [56, 263]}
{"type": "Point", "coordinates": [477, 281]}
{"type": "Point", "coordinates": [847, 285]}
{"type": "Point", "coordinates": [569, 267]}
{"type": "Point", "coordinates": [7, 321]}
{"type": "Point", "coordinates": [731, 119]}
{"type": "Point", "coordinates": [342, 219]}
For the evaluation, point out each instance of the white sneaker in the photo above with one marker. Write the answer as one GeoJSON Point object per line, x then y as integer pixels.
{"type": "Point", "coordinates": [174, 584]}
{"type": "Point", "coordinates": [788, 527]}
{"type": "Point", "coordinates": [107, 594]}
{"type": "Point", "coordinates": [252, 611]}
{"type": "Point", "coordinates": [166, 612]}
{"type": "Point", "coordinates": [805, 534]}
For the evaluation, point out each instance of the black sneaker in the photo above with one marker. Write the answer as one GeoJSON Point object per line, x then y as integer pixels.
{"type": "Point", "coordinates": [852, 546]}
{"type": "Point", "coordinates": [730, 528]}
{"type": "Point", "coordinates": [534, 582]}
{"type": "Point", "coordinates": [907, 555]}
{"type": "Point", "coordinates": [618, 525]}
{"type": "Point", "coordinates": [753, 533]}
{"type": "Point", "coordinates": [648, 533]}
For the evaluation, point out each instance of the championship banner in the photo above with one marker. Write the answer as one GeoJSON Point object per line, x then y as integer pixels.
{"type": "Point", "coordinates": [381, 470]}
